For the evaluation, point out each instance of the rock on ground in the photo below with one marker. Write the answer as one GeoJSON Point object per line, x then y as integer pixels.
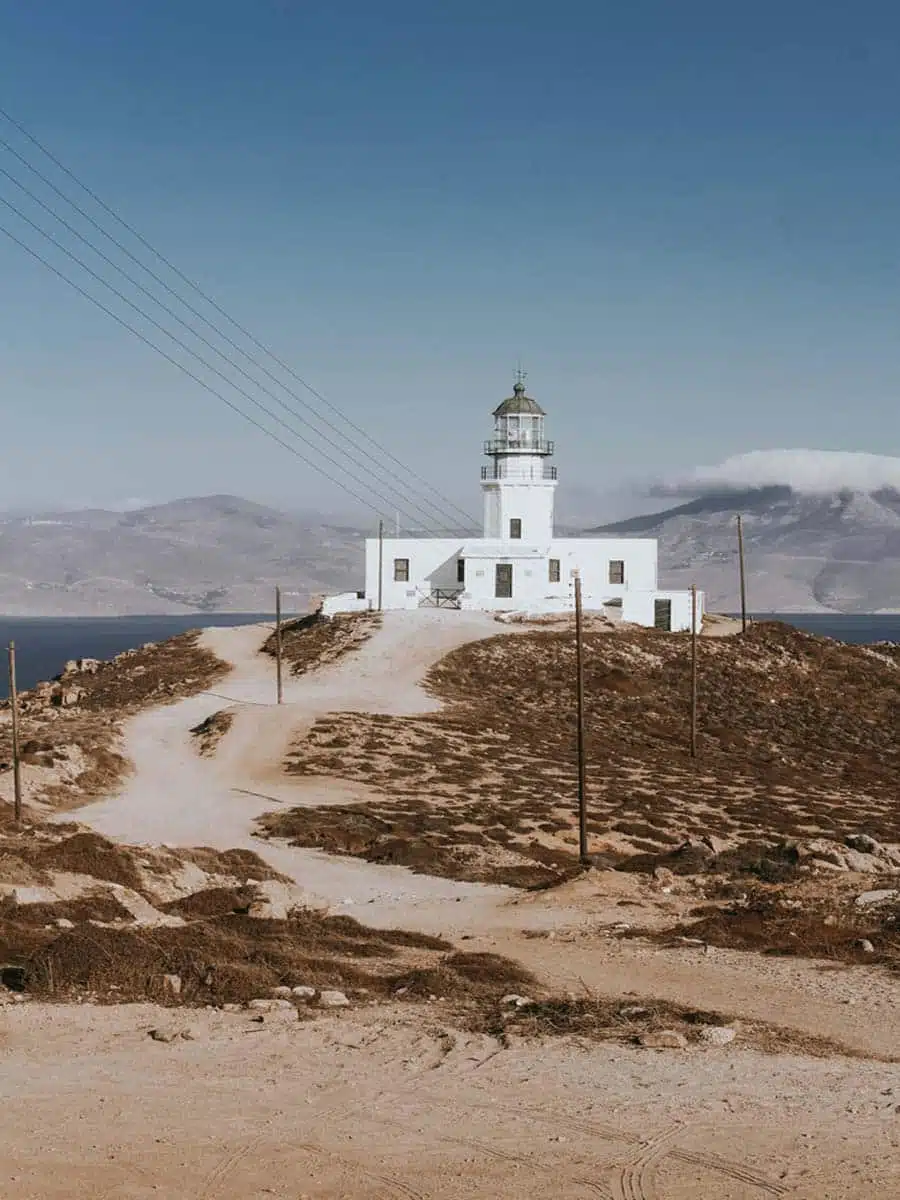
{"type": "Point", "coordinates": [664, 1039]}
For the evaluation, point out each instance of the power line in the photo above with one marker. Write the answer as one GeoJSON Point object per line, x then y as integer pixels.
{"type": "Point", "coordinates": [208, 299]}
{"type": "Point", "coordinates": [390, 501]}
{"type": "Point", "coordinates": [414, 492]}
{"type": "Point", "coordinates": [175, 363]}
{"type": "Point", "coordinates": [394, 491]}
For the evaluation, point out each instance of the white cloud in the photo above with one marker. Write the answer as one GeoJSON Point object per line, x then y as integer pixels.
{"type": "Point", "coordinates": [809, 471]}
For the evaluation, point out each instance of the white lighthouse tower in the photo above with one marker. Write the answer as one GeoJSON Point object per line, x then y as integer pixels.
{"type": "Point", "coordinates": [519, 564]}
{"type": "Point", "coordinates": [519, 483]}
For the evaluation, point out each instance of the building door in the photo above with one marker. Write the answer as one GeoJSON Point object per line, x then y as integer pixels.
{"type": "Point", "coordinates": [662, 614]}
{"type": "Point", "coordinates": [503, 581]}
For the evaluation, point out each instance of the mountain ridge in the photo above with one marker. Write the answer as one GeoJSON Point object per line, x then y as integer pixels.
{"type": "Point", "coordinates": [812, 551]}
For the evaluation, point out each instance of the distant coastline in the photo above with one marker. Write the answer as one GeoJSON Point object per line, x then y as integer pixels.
{"type": "Point", "coordinates": [45, 644]}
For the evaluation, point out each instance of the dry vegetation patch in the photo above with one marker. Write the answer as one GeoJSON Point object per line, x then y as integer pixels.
{"type": "Point", "coordinates": [210, 732]}
{"type": "Point", "coordinates": [798, 739]}
{"type": "Point", "coordinates": [317, 641]}
{"type": "Point", "coordinates": [609, 1019]}
{"type": "Point", "coordinates": [71, 727]}
{"type": "Point", "coordinates": [805, 921]}
{"type": "Point", "coordinates": [232, 958]}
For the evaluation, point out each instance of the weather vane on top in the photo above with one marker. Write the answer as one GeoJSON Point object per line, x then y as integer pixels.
{"type": "Point", "coordinates": [520, 375]}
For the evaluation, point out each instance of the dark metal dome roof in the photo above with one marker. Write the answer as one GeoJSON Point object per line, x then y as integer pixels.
{"type": "Point", "coordinates": [518, 402]}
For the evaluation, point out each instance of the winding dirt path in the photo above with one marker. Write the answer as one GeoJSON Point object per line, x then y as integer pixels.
{"type": "Point", "coordinates": [177, 797]}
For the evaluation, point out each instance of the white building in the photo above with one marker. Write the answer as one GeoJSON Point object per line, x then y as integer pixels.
{"type": "Point", "coordinates": [519, 565]}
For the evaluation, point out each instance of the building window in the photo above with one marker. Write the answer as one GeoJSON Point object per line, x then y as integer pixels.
{"type": "Point", "coordinates": [617, 571]}
{"type": "Point", "coordinates": [554, 570]}
{"type": "Point", "coordinates": [503, 581]}
{"type": "Point", "coordinates": [460, 570]}
{"type": "Point", "coordinates": [515, 528]}
{"type": "Point", "coordinates": [401, 570]}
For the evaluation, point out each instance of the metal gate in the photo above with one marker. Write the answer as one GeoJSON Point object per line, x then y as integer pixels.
{"type": "Point", "coordinates": [441, 598]}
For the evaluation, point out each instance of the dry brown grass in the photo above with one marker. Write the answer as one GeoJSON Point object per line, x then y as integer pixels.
{"type": "Point", "coordinates": [210, 732]}
{"type": "Point", "coordinates": [315, 641]}
{"type": "Point", "coordinates": [610, 1019]}
{"type": "Point", "coordinates": [801, 922]}
{"type": "Point", "coordinates": [798, 739]}
{"type": "Point", "coordinates": [233, 958]}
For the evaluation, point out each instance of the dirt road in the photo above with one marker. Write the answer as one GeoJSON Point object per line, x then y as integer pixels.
{"type": "Point", "coordinates": [384, 1103]}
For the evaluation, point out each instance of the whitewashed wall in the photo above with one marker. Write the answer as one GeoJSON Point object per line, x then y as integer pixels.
{"type": "Point", "coordinates": [432, 564]}
{"type": "Point", "coordinates": [640, 607]}
{"type": "Point", "coordinates": [529, 502]}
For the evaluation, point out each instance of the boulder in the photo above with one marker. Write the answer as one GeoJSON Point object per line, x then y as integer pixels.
{"type": "Point", "coordinates": [275, 901]}
{"type": "Point", "coordinates": [718, 845]}
{"type": "Point", "coordinates": [333, 999]}
{"type": "Point", "coordinates": [166, 1033]}
{"type": "Point", "coordinates": [664, 1039]}
{"type": "Point", "coordinates": [863, 843]}
{"type": "Point", "coordinates": [879, 896]}
{"type": "Point", "coordinates": [865, 945]}
{"type": "Point", "coordinates": [517, 1001]}
{"type": "Point", "coordinates": [716, 1035]}
{"type": "Point", "coordinates": [282, 993]}
{"type": "Point", "coordinates": [270, 1005]}
{"type": "Point", "coordinates": [172, 984]}
{"type": "Point", "coordinates": [303, 992]}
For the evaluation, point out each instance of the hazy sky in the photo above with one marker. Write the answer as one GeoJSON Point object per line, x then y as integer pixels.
{"type": "Point", "coordinates": [683, 218]}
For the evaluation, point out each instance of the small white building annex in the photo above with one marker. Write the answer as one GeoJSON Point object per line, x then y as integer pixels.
{"type": "Point", "coordinates": [519, 565]}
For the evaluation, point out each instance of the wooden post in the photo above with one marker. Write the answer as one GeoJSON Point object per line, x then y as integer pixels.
{"type": "Point", "coordinates": [14, 708]}
{"type": "Point", "coordinates": [380, 563]}
{"type": "Point", "coordinates": [693, 670]}
{"type": "Point", "coordinates": [579, 686]}
{"type": "Point", "coordinates": [278, 646]}
{"type": "Point", "coordinates": [740, 531]}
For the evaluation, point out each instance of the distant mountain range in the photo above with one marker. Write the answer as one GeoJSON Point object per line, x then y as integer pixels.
{"type": "Point", "coordinates": [836, 551]}
{"type": "Point", "coordinates": [209, 554]}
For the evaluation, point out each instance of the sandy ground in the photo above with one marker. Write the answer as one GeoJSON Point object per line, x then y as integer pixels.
{"type": "Point", "coordinates": [383, 1103]}
{"type": "Point", "coordinates": [375, 1103]}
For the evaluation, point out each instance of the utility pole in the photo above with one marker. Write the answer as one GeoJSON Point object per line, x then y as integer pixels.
{"type": "Point", "coordinates": [740, 532]}
{"type": "Point", "coordinates": [579, 685]}
{"type": "Point", "coordinates": [693, 670]}
{"type": "Point", "coordinates": [380, 563]}
{"type": "Point", "coordinates": [14, 708]}
{"type": "Point", "coordinates": [278, 645]}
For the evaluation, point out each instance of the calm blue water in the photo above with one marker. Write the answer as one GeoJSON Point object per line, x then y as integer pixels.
{"type": "Point", "coordinates": [44, 644]}
{"type": "Point", "coordinates": [861, 630]}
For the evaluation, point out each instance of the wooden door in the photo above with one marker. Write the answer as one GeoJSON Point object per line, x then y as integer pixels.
{"type": "Point", "coordinates": [503, 581]}
{"type": "Point", "coordinates": [662, 614]}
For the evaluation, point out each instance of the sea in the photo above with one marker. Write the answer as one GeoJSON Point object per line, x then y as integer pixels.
{"type": "Point", "coordinates": [45, 644]}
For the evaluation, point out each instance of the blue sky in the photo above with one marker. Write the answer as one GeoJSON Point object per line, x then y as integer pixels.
{"type": "Point", "coordinates": [682, 218]}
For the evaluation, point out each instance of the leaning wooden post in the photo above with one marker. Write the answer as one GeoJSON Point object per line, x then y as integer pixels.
{"type": "Point", "coordinates": [693, 670]}
{"type": "Point", "coordinates": [740, 532]}
{"type": "Point", "coordinates": [278, 646]}
{"type": "Point", "coordinates": [14, 709]}
{"type": "Point", "coordinates": [579, 690]}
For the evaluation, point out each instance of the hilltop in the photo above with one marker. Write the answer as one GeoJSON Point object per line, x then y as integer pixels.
{"type": "Point", "coordinates": [371, 893]}
{"type": "Point", "coordinates": [202, 554]}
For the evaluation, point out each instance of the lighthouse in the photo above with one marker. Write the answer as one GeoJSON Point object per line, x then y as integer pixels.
{"type": "Point", "coordinates": [519, 483]}
{"type": "Point", "coordinates": [519, 564]}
